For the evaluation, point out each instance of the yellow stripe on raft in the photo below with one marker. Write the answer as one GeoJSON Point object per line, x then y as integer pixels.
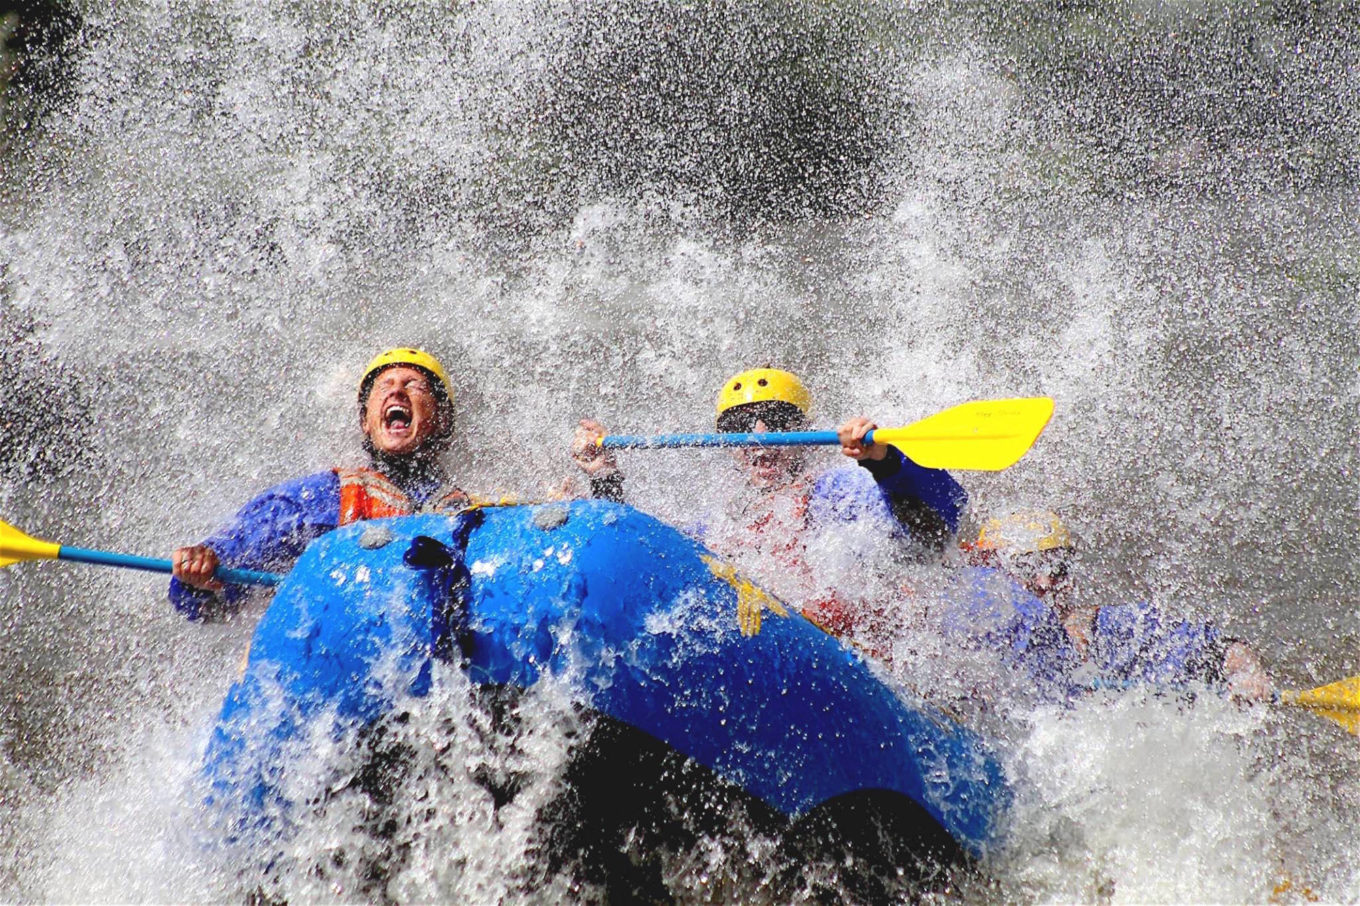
{"type": "Point", "coordinates": [752, 600]}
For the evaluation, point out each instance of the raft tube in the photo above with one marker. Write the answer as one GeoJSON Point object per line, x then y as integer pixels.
{"type": "Point", "coordinates": [654, 634]}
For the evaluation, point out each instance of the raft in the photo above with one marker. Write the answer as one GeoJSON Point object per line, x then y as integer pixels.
{"type": "Point", "coordinates": [676, 653]}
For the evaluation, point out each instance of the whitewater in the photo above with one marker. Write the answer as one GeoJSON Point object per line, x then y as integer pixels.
{"type": "Point", "coordinates": [602, 210]}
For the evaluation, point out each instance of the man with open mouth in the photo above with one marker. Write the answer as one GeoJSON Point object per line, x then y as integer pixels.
{"type": "Point", "coordinates": [406, 415]}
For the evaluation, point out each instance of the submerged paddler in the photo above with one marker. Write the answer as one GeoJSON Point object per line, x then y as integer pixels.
{"type": "Point", "coordinates": [1070, 646]}
{"type": "Point", "coordinates": [786, 498]}
{"type": "Point", "coordinates": [406, 416]}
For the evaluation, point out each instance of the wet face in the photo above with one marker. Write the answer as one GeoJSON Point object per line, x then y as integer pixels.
{"type": "Point", "coordinates": [1045, 574]}
{"type": "Point", "coordinates": [402, 413]}
{"type": "Point", "coordinates": [767, 468]}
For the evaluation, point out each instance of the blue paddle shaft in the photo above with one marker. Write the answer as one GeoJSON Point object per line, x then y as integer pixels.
{"type": "Point", "coordinates": [761, 439]}
{"type": "Point", "coordinates": [151, 564]}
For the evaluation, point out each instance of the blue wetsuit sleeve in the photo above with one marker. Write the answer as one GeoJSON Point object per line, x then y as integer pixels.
{"type": "Point", "coordinates": [986, 611]}
{"type": "Point", "coordinates": [926, 504]}
{"type": "Point", "coordinates": [268, 533]}
{"type": "Point", "coordinates": [1136, 643]}
{"type": "Point", "coordinates": [909, 487]}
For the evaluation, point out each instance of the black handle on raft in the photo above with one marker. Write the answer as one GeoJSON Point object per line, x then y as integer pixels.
{"type": "Point", "coordinates": [428, 553]}
{"type": "Point", "coordinates": [451, 632]}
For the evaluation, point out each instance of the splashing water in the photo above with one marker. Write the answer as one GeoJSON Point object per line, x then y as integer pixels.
{"type": "Point", "coordinates": [606, 209]}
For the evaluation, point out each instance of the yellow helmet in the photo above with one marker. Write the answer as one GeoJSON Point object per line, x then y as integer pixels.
{"type": "Point", "coordinates": [405, 355]}
{"type": "Point", "coordinates": [761, 385]}
{"type": "Point", "coordinates": [1024, 533]}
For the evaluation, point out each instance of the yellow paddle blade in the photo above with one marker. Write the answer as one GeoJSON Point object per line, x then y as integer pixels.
{"type": "Point", "coordinates": [15, 547]}
{"type": "Point", "coordinates": [986, 435]}
{"type": "Point", "coordinates": [1339, 702]}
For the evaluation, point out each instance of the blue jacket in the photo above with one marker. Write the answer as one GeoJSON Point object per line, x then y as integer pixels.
{"type": "Point", "coordinates": [1131, 644]}
{"type": "Point", "coordinates": [925, 504]}
{"type": "Point", "coordinates": [268, 533]}
{"type": "Point", "coordinates": [271, 531]}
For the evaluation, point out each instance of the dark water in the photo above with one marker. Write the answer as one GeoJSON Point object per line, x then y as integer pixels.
{"type": "Point", "coordinates": [213, 214]}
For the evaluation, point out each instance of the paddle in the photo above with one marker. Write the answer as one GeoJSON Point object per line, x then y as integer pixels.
{"type": "Point", "coordinates": [1338, 702]}
{"type": "Point", "coordinates": [16, 547]}
{"type": "Point", "coordinates": [984, 435]}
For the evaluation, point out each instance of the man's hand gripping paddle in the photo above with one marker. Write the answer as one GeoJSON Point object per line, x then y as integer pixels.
{"type": "Point", "coordinates": [16, 547]}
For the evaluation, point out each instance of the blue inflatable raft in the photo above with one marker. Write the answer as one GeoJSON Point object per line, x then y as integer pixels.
{"type": "Point", "coordinates": [660, 639]}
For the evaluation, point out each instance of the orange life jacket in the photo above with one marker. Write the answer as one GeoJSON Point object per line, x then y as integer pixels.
{"type": "Point", "coordinates": [369, 494]}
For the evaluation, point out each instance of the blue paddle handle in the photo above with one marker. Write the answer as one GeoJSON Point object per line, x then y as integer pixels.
{"type": "Point", "coordinates": [761, 439]}
{"type": "Point", "coordinates": [151, 564]}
